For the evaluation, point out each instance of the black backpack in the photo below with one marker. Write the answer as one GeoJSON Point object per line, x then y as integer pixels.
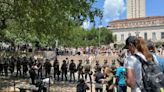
{"type": "Point", "coordinates": [152, 77]}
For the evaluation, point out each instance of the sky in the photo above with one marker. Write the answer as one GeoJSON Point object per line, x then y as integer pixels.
{"type": "Point", "coordinates": [116, 9]}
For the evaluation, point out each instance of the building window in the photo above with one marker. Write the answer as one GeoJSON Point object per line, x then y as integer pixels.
{"type": "Point", "coordinates": [129, 34]}
{"type": "Point", "coordinates": [162, 35]}
{"type": "Point", "coordinates": [122, 37]}
{"type": "Point", "coordinates": [145, 36]}
{"type": "Point", "coordinates": [154, 36]}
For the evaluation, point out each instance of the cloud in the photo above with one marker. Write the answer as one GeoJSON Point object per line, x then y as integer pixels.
{"type": "Point", "coordinates": [86, 24]}
{"type": "Point", "coordinates": [112, 9]}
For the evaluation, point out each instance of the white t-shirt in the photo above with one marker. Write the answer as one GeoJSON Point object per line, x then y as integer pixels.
{"type": "Point", "coordinates": [46, 82]}
{"type": "Point", "coordinates": [131, 62]}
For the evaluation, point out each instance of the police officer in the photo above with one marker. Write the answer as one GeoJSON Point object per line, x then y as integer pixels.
{"type": "Point", "coordinates": [6, 66]}
{"type": "Point", "coordinates": [47, 66]}
{"type": "Point", "coordinates": [39, 65]}
{"type": "Point", "coordinates": [80, 69]}
{"type": "Point", "coordinates": [18, 66]}
{"type": "Point", "coordinates": [64, 70]}
{"type": "Point", "coordinates": [32, 75]}
{"type": "Point", "coordinates": [12, 65]}
{"type": "Point", "coordinates": [56, 69]}
{"type": "Point", "coordinates": [87, 70]}
{"type": "Point", "coordinates": [31, 62]}
{"type": "Point", "coordinates": [1, 65]}
{"type": "Point", "coordinates": [25, 66]}
{"type": "Point", "coordinates": [72, 69]}
{"type": "Point", "coordinates": [97, 66]}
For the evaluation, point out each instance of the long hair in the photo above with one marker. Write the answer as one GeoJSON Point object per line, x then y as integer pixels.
{"type": "Point", "coordinates": [142, 47]}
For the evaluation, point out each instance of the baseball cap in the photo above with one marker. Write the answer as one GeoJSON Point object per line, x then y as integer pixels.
{"type": "Point", "coordinates": [150, 44]}
{"type": "Point", "coordinates": [130, 39]}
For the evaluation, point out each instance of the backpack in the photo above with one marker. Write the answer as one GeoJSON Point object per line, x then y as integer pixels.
{"type": "Point", "coordinates": [152, 77]}
{"type": "Point", "coordinates": [81, 87]}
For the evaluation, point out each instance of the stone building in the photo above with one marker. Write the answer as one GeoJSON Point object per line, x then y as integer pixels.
{"type": "Point", "coordinates": [151, 28]}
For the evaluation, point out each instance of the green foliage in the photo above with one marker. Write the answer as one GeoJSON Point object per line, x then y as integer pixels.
{"type": "Point", "coordinates": [45, 21]}
{"type": "Point", "coordinates": [83, 37]}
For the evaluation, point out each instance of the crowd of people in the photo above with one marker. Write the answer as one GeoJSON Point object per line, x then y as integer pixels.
{"type": "Point", "coordinates": [127, 70]}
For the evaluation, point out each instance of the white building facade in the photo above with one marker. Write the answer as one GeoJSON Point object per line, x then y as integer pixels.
{"type": "Point", "coordinates": [135, 8]}
{"type": "Point", "coordinates": [150, 28]}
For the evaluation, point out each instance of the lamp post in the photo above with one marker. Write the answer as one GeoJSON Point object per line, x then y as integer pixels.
{"type": "Point", "coordinates": [99, 34]}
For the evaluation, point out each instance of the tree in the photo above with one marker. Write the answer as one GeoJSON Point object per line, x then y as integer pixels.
{"type": "Point", "coordinates": [44, 20]}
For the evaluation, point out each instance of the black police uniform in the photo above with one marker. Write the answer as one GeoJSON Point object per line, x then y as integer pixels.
{"type": "Point", "coordinates": [72, 69]}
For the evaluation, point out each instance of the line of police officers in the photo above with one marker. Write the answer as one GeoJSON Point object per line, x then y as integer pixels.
{"type": "Point", "coordinates": [37, 67]}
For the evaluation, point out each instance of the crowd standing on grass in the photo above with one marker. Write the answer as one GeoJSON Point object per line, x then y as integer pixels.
{"type": "Point", "coordinates": [128, 69]}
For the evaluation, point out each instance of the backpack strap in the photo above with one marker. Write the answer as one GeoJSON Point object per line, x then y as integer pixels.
{"type": "Point", "coordinates": [140, 59]}
{"type": "Point", "coordinates": [143, 62]}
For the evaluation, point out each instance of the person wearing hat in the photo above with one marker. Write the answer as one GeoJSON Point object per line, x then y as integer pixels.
{"type": "Point", "coordinates": [64, 70]}
{"type": "Point", "coordinates": [159, 60]}
{"type": "Point", "coordinates": [80, 69]}
{"type": "Point", "coordinates": [56, 69]}
{"type": "Point", "coordinates": [132, 64]}
{"type": "Point", "coordinates": [32, 75]}
{"type": "Point", "coordinates": [72, 69]}
{"type": "Point", "coordinates": [87, 70]}
{"type": "Point", "coordinates": [47, 66]}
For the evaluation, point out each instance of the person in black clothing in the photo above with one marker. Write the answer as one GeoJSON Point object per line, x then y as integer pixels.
{"type": "Point", "coordinates": [12, 65]}
{"type": "Point", "coordinates": [31, 62]}
{"type": "Point", "coordinates": [1, 65]}
{"type": "Point", "coordinates": [98, 76]}
{"type": "Point", "coordinates": [32, 75]}
{"type": "Point", "coordinates": [18, 66]}
{"type": "Point", "coordinates": [47, 66]}
{"type": "Point", "coordinates": [56, 69]}
{"type": "Point", "coordinates": [64, 70]}
{"type": "Point", "coordinates": [6, 66]}
{"type": "Point", "coordinates": [87, 70]}
{"type": "Point", "coordinates": [80, 69]}
{"type": "Point", "coordinates": [25, 67]}
{"type": "Point", "coordinates": [72, 69]}
{"type": "Point", "coordinates": [82, 86]}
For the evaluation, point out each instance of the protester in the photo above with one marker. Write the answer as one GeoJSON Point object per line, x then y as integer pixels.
{"type": "Point", "coordinates": [121, 77]}
{"type": "Point", "coordinates": [45, 84]}
{"type": "Point", "coordinates": [99, 76]}
{"type": "Point", "coordinates": [139, 53]}
{"type": "Point", "coordinates": [82, 86]}
{"type": "Point", "coordinates": [105, 65]}
{"type": "Point", "coordinates": [109, 79]}
{"type": "Point", "coordinates": [133, 65]}
{"type": "Point", "coordinates": [159, 60]}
